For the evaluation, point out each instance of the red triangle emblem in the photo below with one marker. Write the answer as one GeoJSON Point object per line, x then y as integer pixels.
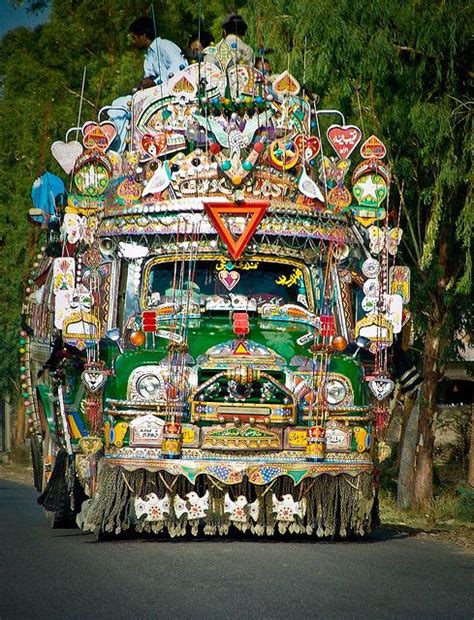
{"type": "Point", "coordinates": [240, 349]}
{"type": "Point", "coordinates": [255, 209]}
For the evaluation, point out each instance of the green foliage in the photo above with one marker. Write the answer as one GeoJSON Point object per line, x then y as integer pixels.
{"type": "Point", "coordinates": [399, 69]}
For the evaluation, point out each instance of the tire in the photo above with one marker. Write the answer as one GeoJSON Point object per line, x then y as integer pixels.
{"type": "Point", "coordinates": [55, 497]}
{"type": "Point", "coordinates": [65, 516]}
{"type": "Point", "coordinates": [36, 445]}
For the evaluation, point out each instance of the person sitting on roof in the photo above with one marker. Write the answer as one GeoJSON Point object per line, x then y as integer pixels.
{"type": "Point", "coordinates": [163, 58]}
{"type": "Point", "coordinates": [198, 41]}
{"type": "Point", "coordinates": [263, 62]}
{"type": "Point", "coordinates": [231, 50]}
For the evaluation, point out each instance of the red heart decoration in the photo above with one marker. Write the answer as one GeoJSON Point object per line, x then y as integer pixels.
{"type": "Point", "coordinates": [308, 146]}
{"type": "Point", "coordinates": [344, 139]}
{"type": "Point", "coordinates": [98, 136]}
{"type": "Point", "coordinates": [154, 145]}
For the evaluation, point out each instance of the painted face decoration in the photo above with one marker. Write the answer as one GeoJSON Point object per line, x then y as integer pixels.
{"type": "Point", "coordinates": [72, 227]}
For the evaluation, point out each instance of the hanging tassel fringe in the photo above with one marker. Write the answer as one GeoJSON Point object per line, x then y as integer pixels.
{"type": "Point", "coordinates": [55, 496]}
{"type": "Point", "coordinates": [325, 506]}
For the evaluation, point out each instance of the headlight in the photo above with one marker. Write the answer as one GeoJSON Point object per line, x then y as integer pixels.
{"type": "Point", "coordinates": [149, 387]}
{"type": "Point", "coordinates": [336, 392]}
{"type": "Point", "coordinates": [148, 383]}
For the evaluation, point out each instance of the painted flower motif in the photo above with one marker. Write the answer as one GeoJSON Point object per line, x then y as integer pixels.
{"type": "Point", "coordinates": [154, 511]}
{"type": "Point", "coordinates": [239, 515]}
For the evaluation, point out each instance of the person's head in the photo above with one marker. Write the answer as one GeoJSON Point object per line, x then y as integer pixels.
{"type": "Point", "coordinates": [234, 24]}
{"type": "Point", "coordinates": [263, 64]}
{"type": "Point", "coordinates": [142, 32]}
{"type": "Point", "coordinates": [199, 41]}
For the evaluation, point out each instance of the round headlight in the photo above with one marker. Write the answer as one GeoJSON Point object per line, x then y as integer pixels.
{"type": "Point", "coordinates": [149, 387]}
{"type": "Point", "coordinates": [336, 392]}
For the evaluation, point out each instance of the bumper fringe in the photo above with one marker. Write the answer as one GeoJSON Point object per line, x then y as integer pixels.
{"type": "Point", "coordinates": [324, 506]}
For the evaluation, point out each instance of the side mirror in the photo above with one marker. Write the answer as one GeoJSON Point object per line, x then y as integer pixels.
{"type": "Point", "coordinates": [115, 336]}
{"type": "Point", "coordinates": [361, 343]}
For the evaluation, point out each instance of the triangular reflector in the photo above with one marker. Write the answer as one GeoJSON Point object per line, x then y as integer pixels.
{"type": "Point", "coordinates": [218, 210]}
{"type": "Point", "coordinates": [240, 349]}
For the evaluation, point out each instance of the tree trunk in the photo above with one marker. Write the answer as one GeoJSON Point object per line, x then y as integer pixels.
{"type": "Point", "coordinates": [407, 453]}
{"type": "Point", "coordinates": [406, 409]}
{"type": "Point", "coordinates": [19, 432]}
{"type": "Point", "coordinates": [470, 475]}
{"type": "Point", "coordinates": [423, 482]}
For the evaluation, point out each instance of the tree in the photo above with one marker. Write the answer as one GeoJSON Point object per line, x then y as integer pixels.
{"type": "Point", "coordinates": [399, 69]}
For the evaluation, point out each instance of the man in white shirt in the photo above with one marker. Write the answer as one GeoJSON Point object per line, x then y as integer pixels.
{"type": "Point", "coordinates": [163, 58]}
{"type": "Point", "coordinates": [231, 50]}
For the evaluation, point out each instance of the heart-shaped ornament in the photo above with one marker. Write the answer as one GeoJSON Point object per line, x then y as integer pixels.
{"type": "Point", "coordinates": [381, 387]}
{"type": "Point", "coordinates": [94, 380]}
{"type": "Point", "coordinates": [285, 84]}
{"type": "Point", "coordinates": [99, 136]}
{"type": "Point", "coordinates": [183, 87]}
{"type": "Point", "coordinates": [229, 279]}
{"type": "Point", "coordinates": [154, 145]}
{"type": "Point", "coordinates": [66, 154]}
{"type": "Point", "coordinates": [344, 139]}
{"type": "Point", "coordinates": [373, 147]}
{"type": "Point", "coordinates": [308, 146]}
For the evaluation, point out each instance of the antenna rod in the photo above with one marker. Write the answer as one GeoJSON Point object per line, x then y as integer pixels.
{"type": "Point", "coordinates": [79, 114]}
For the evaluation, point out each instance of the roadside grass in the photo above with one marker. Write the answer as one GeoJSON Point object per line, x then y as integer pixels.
{"type": "Point", "coordinates": [447, 517]}
{"type": "Point", "coordinates": [17, 466]}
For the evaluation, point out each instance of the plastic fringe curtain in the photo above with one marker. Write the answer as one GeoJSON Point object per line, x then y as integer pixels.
{"type": "Point", "coordinates": [325, 506]}
{"type": "Point", "coordinates": [55, 497]}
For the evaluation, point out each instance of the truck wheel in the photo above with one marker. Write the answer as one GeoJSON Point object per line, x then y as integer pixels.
{"type": "Point", "coordinates": [55, 497]}
{"type": "Point", "coordinates": [64, 518]}
{"type": "Point", "coordinates": [36, 445]}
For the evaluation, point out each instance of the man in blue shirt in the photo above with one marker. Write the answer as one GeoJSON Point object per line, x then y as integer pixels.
{"type": "Point", "coordinates": [163, 58]}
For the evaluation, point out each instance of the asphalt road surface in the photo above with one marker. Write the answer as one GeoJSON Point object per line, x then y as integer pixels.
{"type": "Point", "coordinates": [64, 574]}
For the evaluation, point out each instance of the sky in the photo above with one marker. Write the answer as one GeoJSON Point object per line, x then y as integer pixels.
{"type": "Point", "coordinates": [12, 18]}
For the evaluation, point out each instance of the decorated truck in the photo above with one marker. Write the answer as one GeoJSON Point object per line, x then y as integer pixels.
{"type": "Point", "coordinates": [207, 326]}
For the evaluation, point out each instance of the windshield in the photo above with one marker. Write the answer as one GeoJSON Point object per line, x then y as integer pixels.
{"type": "Point", "coordinates": [277, 283]}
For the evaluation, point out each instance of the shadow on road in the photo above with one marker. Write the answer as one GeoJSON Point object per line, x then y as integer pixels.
{"type": "Point", "coordinates": [382, 534]}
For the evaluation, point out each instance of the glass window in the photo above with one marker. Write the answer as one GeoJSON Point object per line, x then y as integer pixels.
{"type": "Point", "coordinates": [277, 283]}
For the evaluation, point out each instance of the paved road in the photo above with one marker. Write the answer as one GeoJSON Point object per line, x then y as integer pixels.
{"type": "Point", "coordinates": [65, 574]}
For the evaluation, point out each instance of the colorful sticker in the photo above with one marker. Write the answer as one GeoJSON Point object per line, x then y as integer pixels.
{"type": "Point", "coordinates": [399, 278]}
{"type": "Point", "coordinates": [64, 271]}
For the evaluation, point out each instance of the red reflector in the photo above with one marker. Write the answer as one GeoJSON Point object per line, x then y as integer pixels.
{"type": "Point", "coordinates": [149, 321]}
{"type": "Point", "coordinates": [240, 322]}
{"type": "Point", "coordinates": [328, 325]}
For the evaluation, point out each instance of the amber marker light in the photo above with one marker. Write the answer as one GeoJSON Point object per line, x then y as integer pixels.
{"type": "Point", "coordinates": [137, 338]}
